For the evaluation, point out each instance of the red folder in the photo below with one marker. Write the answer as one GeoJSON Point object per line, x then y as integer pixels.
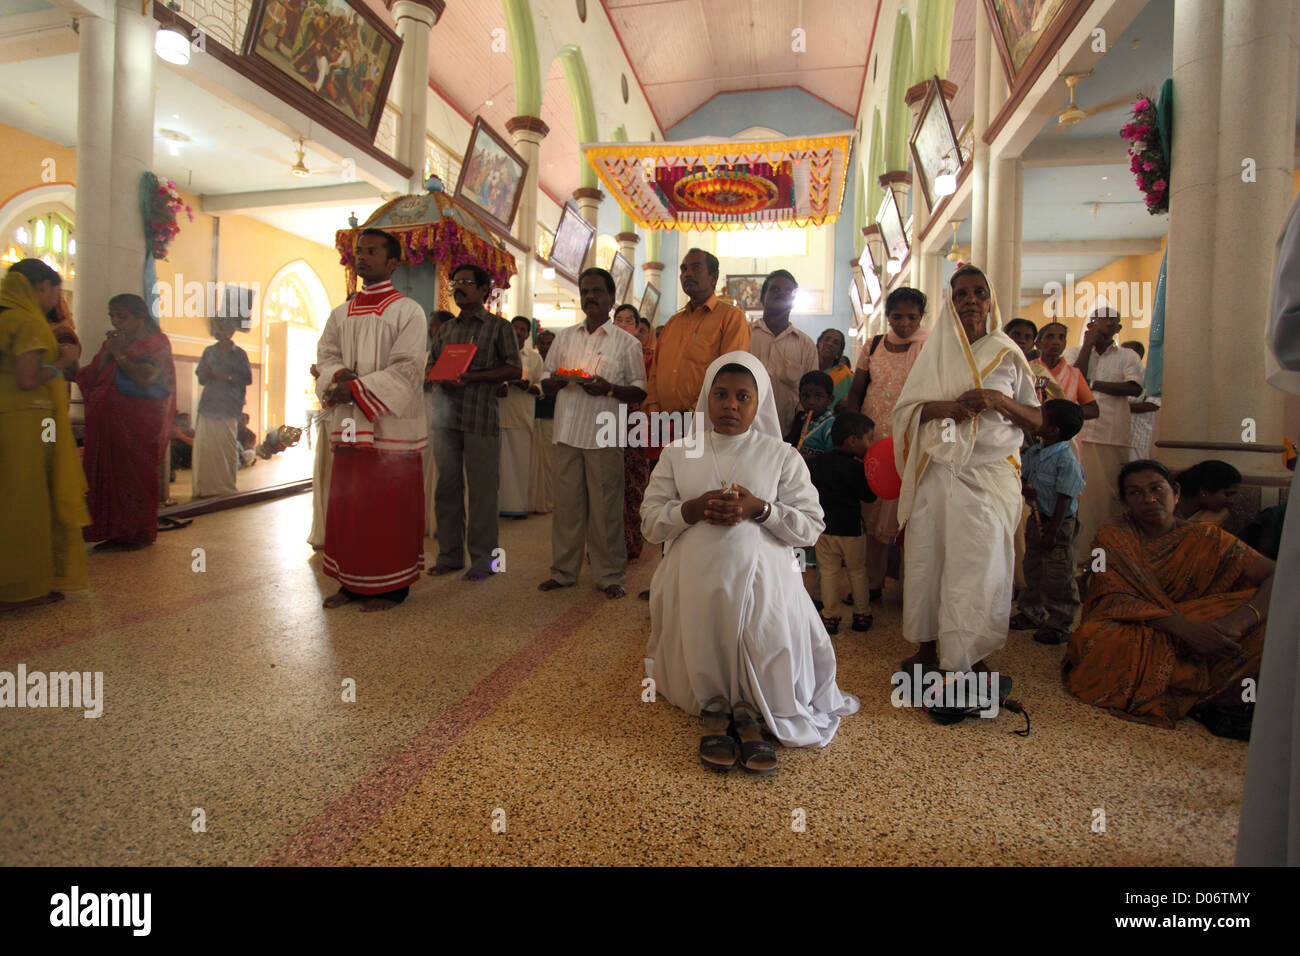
{"type": "Point", "coordinates": [452, 362]}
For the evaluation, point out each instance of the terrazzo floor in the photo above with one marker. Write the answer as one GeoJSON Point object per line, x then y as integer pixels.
{"type": "Point", "coordinates": [494, 724]}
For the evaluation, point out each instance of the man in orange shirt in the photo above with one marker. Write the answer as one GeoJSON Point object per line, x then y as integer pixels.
{"type": "Point", "coordinates": [692, 339]}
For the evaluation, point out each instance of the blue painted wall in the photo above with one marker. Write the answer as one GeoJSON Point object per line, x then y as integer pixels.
{"type": "Point", "coordinates": [791, 112]}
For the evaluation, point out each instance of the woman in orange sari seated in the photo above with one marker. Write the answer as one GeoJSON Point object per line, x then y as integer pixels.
{"type": "Point", "coordinates": [1175, 623]}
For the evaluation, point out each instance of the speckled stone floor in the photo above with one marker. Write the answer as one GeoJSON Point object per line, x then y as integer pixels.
{"type": "Point", "coordinates": [495, 724]}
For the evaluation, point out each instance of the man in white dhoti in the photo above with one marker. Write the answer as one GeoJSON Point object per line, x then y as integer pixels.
{"type": "Point", "coordinates": [1269, 834]}
{"type": "Point", "coordinates": [518, 398]}
{"type": "Point", "coordinates": [734, 633]}
{"type": "Point", "coordinates": [371, 360]}
{"type": "Point", "coordinates": [957, 431]}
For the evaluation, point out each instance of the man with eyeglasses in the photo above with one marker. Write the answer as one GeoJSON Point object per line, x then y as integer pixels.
{"type": "Point", "coordinates": [466, 426]}
{"type": "Point", "coordinates": [1114, 375]}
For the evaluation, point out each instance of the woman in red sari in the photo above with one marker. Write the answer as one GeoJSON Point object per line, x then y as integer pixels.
{"type": "Point", "coordinates": [130, 395]}
{"type": "Point", "coordinates": [1175, 622]}
{"type": "Point", "coordinates": [636, 467]}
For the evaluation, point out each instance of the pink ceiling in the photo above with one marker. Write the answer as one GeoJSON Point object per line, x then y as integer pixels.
{"type": "Point", "coordinates": [686, 51]}
{"type": "Point", "coordinates": [961, 61]}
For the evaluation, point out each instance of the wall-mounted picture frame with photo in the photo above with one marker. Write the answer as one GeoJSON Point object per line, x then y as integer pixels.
{"type": "Point", "coordinates": [545, 242]}
{"type": "Point", "coordinates": [649, 305]}
{"type": "Point", "coordinates": [934, 143]}
{"type": "Point", "coordinates": [1027, 32]}
{"type": "Point", "coordinates": [871, 282]}
{"type": "Point", "coordinates": [334, 59]}
{"type": "Point", "coordinates": [573, 237]}
{"type": "Point", "coordinates": [746, 291]}
{"type": "Point", "coordinates": [491, 179]}
{"type": "Point", "coordinates": [855, 298]}
{"type": "Point", "coordinates": [622, 271]}
{"type": "Point", "coordinates": [890, 220]}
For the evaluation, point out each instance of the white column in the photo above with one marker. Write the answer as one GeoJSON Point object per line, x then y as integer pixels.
{"type": "Point", "coordinates": [1001, 236]}
{"type": "Point", "coordinates": [627, 248]}
{"type": "Point", "coordinates": [588, 200]}
{"type": "Point", "coordinates": [980, 170]}
{"type": "Point", "coordinates": [1257, 83]}
{"type": "Point", "coordinates": [414, 21]}
{"type": "Point", "coordinates": [132, 155]}
{"type": "Point", "coordinates": [528, 133]}
{"type": "Point", "coordinates": [95, 41]}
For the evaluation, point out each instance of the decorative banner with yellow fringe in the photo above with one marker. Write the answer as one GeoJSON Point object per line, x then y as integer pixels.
{"type": "Point", "coordinates": [727, 183]}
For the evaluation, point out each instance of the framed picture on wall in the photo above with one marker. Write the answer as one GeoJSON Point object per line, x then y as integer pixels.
{"type": "Point", "coordinates": [744, 291]}
{"type": "Point", "coordinates": [856, 299]}
{"type": "Point", "coordinates": [934, 143]}
{"type": "Point", "coordinates": [333, 58]}
{"type": "Point", "coordinates": [890, 220]}
{"type": "Point", "coordinates": [1027, 32]}
{"type": "Point", "coordinates": [545, 242]}
{"type": "Point", "coordinates": [871, 282]}
{"type": "Point", "coordinates": [492, 177]}
{"type": "Point", "coordinates": [621, 270]}
{"type": "Point", "coordinates": [573, 237]}
{"type": "Point", "coordinates": [649, 306]}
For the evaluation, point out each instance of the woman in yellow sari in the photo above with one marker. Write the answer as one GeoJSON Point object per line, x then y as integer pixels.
{"type": "Point", "coordinates": [41, 482]}
{"type": "Point", "coordinates": [1175, 623]}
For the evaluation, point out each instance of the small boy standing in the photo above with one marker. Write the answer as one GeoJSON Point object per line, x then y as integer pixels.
{"type": "Point", "coordinates": [1053, 480]}
{"type": "Point", "coordinates": [842, 487]}
{"type": "Point", "coordinates": [811, 430]}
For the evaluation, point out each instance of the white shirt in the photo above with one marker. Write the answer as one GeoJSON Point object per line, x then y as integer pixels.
{"type": "Point", "coordinates": [1113, 426]}
{"type": "Point", "coordinates": [610, 352]}
{"type": "Point", "coordinates": [997, 437]}
{"type": "Point", "coordinates": [786, 357]}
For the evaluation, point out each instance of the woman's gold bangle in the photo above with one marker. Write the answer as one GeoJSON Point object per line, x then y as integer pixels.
{"type": "Point", "coordinates": [1259, 619]}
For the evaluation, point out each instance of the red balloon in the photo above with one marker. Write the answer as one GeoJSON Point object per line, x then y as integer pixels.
{"type": "Point", "coordinates": [882, 477]}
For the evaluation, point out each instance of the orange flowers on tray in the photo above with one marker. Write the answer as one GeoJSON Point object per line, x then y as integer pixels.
{"type": "Point", "coordinates": [572, 373]}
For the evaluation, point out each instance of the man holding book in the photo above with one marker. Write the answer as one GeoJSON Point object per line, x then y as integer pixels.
{"type": "Point", "coordinates": [466, 426]}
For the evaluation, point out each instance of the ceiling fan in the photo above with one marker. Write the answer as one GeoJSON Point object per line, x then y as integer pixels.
{"type": "Point", "coordinates": [299, 168]}
{"type": "Point", "coordinates": [1073, 114]}
{"type": "Point", "coordinates": [955, 252]}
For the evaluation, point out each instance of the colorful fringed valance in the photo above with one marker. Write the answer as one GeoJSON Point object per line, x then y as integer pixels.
{"type": "Point", "coordinates": [729, 183]}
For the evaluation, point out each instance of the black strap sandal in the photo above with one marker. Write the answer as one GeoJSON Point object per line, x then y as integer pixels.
{"type": "Point", "coordinates": [756, 754]}
{"type": "Point", "coordinates": [715, 715]}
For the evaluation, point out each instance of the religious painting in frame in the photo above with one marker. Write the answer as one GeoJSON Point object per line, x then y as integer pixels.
{"type": "Point", "coordinates": [934, 142]}
{"type": "Point", "coordinates": [492, 177]}
{"type": "Point", "coordinates": [333, 58]}
{"type": "Point", "coordinates": [856, 299]}
{"type": "Point", "coordinates": [1020, 26]}
{"type": "Point", "coordinates": [745, 292]}
{"type": "Point", "coordinates": [649, 306]}
{"type": "Point", "coordinates": [621, 270]}
{"type": "Point", "coordinates": [890, 220]}
{"type": "Point", "coordinates": [545, 242]}
{"type": "Point", "coordinates": [871, 282]}
{"type": "Point", "coordinates": [573, 237]}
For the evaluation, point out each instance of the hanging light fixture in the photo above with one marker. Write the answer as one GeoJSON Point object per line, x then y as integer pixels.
{"type": "Point", "coordinates": [945, 184]}
{"type": "Point", "coordinates": [894, 266]}
{"type": "Point", "coordinates": [172, 45]}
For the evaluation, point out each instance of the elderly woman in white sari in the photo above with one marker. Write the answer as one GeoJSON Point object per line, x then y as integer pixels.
{"type": "Point", "coordinates": [735, 637]}
{"type": "Point", "coordinates": [957, 428]}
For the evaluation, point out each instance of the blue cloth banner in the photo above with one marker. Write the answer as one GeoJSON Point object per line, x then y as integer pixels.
{"type": "Point", "coordinates": [1156, 343]}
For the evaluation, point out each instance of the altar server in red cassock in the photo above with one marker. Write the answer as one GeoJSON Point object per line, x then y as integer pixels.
{"type": "Point", "coordinates": [371, 358]}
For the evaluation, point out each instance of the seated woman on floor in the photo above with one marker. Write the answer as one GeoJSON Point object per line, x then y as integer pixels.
{"type": "Point", "coordinates": [734, 635]}
{"type": "Point", "coordinates": [1206, 491]}
{"type": "Point", "coordinates": [1175, 623]}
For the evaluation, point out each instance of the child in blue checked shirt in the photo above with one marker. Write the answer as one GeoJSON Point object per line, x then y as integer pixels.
{"type": "Point", "coordinates": [1053, 480]}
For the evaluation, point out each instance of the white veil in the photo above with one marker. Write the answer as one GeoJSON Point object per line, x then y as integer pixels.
{"type": "Point", "coordinates": [766, 421]}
